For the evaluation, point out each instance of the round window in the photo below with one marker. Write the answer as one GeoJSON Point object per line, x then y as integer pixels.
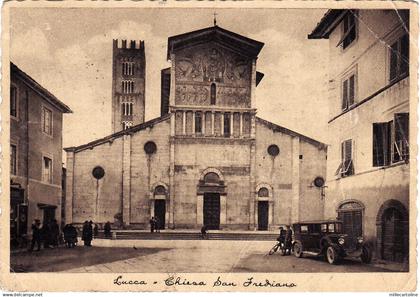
{"type": "Point", "coordinates": [150, 147]}
{"type": "Point", "coordinates": [319, 182]}
{"type": "Point", "coordinates": [98, 172]}
{"type": "Point", "coordinates": [273, 150]}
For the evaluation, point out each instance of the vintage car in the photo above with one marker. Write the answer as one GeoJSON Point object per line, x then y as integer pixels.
{"type": "Point", "coordinates": [326, 238]}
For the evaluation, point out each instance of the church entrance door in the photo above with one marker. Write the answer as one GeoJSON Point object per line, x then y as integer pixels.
{"type": "Point", "coordinates": [262, 215]}
{"type": "Point", "coordinates": [160, 209]}
{"type": "Point", "coordinates": [211, 211]}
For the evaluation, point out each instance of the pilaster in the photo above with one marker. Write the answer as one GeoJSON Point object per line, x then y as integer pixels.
{"type": "Point", "coordinates": [126, 179]}
{"type": "Point", "coordinates": [70, 186]}
{"type": "Point", "coordinates": [294, 216]}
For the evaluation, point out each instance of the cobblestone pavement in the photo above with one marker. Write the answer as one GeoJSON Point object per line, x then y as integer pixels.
{"type": "Point", "coordinates": [176, 256]}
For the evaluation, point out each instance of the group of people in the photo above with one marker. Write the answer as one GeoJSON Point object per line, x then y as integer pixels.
{"type": "Point", "coordinates": [285, 237]}
{"type": "Point", "coordinates": [47, 235]}
{"type": "Point", "coordinates": [154, 225]}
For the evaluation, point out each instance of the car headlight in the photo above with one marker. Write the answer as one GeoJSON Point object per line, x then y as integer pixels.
{"type": "Point", "coordinates": [359, 239]}
{"type": "Point", "coordinates": [341, 240]}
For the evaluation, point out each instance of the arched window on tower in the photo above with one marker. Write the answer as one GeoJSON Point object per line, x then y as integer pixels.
{"type": "Point", "coordinates": [213, 94]}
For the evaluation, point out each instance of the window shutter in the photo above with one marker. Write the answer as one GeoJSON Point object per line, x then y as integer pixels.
{"type": "Point", "coordinates": [345, 95]}
{"type": "Point", "coordinates": [348, 149]}
{"type": "Point", "coordinates": [404, 62]}
{"type": "Point", "coordinates": [393, 61]}
{"type": "Point", "coordinates": [351, 90]}
{"type": "Point", "coordinates": [377, 145]}
{"type": "Point", "coordinates": [401, 134]}
{"type": "Point", "coordinates": [388, 142]}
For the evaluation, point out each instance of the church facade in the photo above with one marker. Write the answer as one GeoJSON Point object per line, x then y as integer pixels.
{"type": "Point", "coordinates": [208, 159]}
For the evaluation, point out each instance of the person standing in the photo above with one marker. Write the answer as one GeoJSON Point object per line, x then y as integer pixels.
{"type": "Point", "coordinates": [157, 225]}
{"type": "Point", "coordinates": [90, 233]}
{"type": "Point", "coordinates": [152, 225]}
{"type": "Point", "coordinates": [72, 236]}
{"type": "Point", "coordinates": [282, 235]}
{"type": "Point", "coordinates": [85, 233]}
{"type": "Point", "coordinates": [55, 233]}
{"type": "Point", "coordinates": [46, 235]}
{"type": "Point", "coordinates": [36, 235]}
{"type": "Point", "coordinates": [95, 230]}
{"type": "Point", "coordinates": [107, 229]}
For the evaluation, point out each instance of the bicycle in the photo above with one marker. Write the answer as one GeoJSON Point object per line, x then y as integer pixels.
{"type": "Point", "coordinates": [278, 246]}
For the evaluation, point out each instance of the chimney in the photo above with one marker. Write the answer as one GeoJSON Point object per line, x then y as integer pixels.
{"type": "Point", "coordinates": [124, 44]}
{"type": "Point", "coordinates": [132, 44]}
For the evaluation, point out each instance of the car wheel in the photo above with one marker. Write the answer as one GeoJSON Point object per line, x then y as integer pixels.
{"type": "Point", "coordinates": [331, 255]}
{"type": "Point", "coordinates": [297, 250]}
{"type": "Point", "coordinates": [366, 255]}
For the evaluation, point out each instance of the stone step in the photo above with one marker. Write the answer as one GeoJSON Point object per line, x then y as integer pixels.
{"type": "Point", "coordinates": [190, 236]}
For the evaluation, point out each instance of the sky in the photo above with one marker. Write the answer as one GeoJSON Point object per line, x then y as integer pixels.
{"type": "Point", "coordinates": [69, 52]}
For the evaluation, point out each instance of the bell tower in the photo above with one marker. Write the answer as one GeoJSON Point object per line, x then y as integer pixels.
{"type": "Point", "coordinates": [128, 84]}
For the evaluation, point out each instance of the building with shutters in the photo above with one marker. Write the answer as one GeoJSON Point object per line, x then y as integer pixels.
{"type": "Point", "coordinates": [36, 149]}
{"type": "Point", "coordinates": [368, 168]}
{"type": "Point", "coordinates": [208, 159]}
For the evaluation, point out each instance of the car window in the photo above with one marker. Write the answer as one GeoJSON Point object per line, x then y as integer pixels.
{"type": "Point", "coordinates": [338, 227]}
{"type": "Point", "coordinates": [324, 228]}
{"type": "Point", "coordinates": [303, 229]}
{"type": "Point", "coordinates": [315, 229]}
{"type": "Point", "coordinates": [331, 228]}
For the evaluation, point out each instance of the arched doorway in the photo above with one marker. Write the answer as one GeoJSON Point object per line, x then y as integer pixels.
{"type": "Point", "coordinates": [351, 214]}
{"type": "Point", "coordinates": [211, 195]}
{"type": "Point", "coordinates": [159, 195]}
{"type": "Point", "coordinates": [211, 203]}
{"type": "Point", "coordinates": [263, 208]}
{"type": "Point", "coordinates": [392, 228]}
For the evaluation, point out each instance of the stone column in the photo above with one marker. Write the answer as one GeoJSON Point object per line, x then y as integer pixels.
{"type": "Point", "coordinates": [70, 186]}
{"type": "Point", "coordinates": [252, 119]}
{"type": "Point", "coordinates": [199, 215]}
{"type": "Point", "coordinates": [193, 123]}
{"type": "Point", "coordinates": [203, 123]}
{"type": "Point", "coordinates": [223, 210]}
{"type": "Point", "coordinates": [126, 179]}
{"type": "Point", "coordinates": [171, 184]}
{"type": "Point", "coordinates": [253, 216]}
{"type": "Point", "coordinates": [212, 123]}
{"type": "Point", "coordinates": [152, 206]}
{"type": "Point", "coordinates": [184, 122]}
{"type": "Point", "coordinates": [231, 124]}
{"type": "Point", "coordinates": [240, 124]}
{"type": "Point", "coordinates": [222, 124]}
{"type": "Point", "coordinates": [256, 213]}
{"type": "Point", "coordinates": [270, 213]}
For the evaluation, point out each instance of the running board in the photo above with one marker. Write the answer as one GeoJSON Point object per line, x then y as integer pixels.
{"type": "Point", "coordinates": [311, 253]}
